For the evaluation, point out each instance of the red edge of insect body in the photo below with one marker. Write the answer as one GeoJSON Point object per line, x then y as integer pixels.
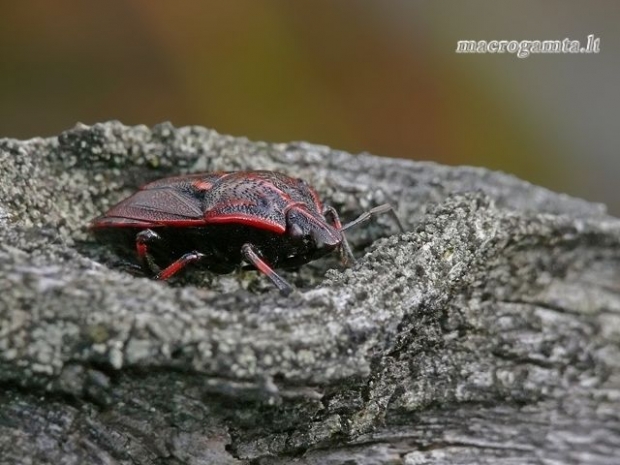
{"type": "Point", "coordinates": [128, 223]}
{"type": "Point", "coordinates": [246, 220]}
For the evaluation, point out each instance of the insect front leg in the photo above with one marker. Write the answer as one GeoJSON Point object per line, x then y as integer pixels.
{"type": "Point", "coordinates": [250, 253]}
{"type": "Point", "coordinates": [344, 250]}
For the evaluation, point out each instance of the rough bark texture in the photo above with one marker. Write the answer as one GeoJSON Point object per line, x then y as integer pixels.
{"type": "Point", "coordinates": [488, 333]}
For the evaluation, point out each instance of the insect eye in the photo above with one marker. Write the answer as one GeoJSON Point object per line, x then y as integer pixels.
{"type": "Point", "coordinates": [296, 231]}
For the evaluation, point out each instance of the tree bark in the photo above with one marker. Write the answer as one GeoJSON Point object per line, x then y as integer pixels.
{"type": "Point", "coordinates": [488, 333]}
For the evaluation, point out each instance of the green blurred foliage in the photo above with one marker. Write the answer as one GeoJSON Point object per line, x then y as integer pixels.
{"type": "Point", "coordinates": [372, 76]}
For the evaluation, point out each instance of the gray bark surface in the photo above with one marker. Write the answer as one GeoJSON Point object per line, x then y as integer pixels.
{"type": "Point", "coordinates": [488, 333]}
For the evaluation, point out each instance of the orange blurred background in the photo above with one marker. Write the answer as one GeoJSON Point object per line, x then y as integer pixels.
{"type": "Point", "coordinates": [377, 76]}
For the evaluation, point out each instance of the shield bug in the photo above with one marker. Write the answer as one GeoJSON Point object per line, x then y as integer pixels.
{"type": "Point", "coordinates": [220, 220]}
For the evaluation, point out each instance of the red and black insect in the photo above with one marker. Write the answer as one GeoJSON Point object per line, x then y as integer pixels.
{"type": "Point", "coordinates": [220, 220]}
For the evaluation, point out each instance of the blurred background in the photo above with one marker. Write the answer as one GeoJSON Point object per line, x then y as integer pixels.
{"type": "Point", "coordinates": [366, 75]}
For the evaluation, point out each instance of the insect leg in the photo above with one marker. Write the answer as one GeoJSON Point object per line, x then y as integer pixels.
{"type": "Point", "coordinates": [346, 255]}
{"type": "Point", "coordinates": [380, 210]}
{"type": "Point", "coordinates": [250, 253]}
{"type": "Point", "coordinates": [178, 265]}
{"type": "Point", "coordinates": [143, 239]}
{"type": "Point", "coordinates": [148, 236]}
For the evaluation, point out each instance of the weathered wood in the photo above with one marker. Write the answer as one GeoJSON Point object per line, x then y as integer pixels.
{"type": "Point", "coordinates": [489, 333]}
